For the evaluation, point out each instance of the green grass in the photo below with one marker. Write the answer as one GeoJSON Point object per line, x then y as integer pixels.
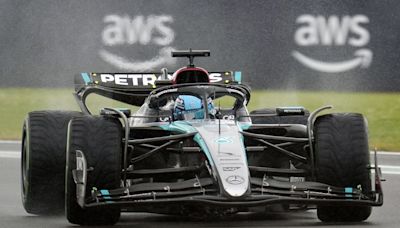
{"type": "Point", "coordinates": [381, 109]}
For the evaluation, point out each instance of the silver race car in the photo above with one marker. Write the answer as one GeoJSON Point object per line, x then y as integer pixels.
{"type": "Point", "coordinates": [193, 149]}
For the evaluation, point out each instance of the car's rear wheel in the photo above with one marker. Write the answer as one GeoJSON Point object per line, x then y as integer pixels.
{"type": "Point", "coordinates": [342, 160]}
{"type": "Point", "coordinates": [99, 138]}
{"type": "Point", "coordinates": [43, 161]}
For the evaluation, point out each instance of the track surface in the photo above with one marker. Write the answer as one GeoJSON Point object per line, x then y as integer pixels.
{"type": "Point", "coordinates": [13, 215]}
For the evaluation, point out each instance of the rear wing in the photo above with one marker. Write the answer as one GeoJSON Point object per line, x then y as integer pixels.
{"type": "Point", "coordinates": [133, 88]}
{"type": "Point", "coordinates": [140, 81]}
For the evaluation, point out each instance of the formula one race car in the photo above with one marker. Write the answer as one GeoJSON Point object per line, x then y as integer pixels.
{"type": "Point", "coordinates": [192, 148]}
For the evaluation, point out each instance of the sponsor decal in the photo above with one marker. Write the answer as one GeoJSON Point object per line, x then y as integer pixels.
{"type": "Point", "coordinates": [228, 117]}
{"type": "Point", "coordinates": [229, 159]}
{"type": "Point", "coordinates": [215, 77]}
{"type": "Point", "coordinates": [235, 180]}
{"type": "Point", "coordinates": [129, 79]}
{"type": "Point", "coordinates": [230, 168]}
{"type": "Point", "coordinates": [223, 140]}
{"type": "Point", "coordinates": [333, 31]}
{"type": "Point", "coordinates": [126, 31]}
{"type": "Point", "coordinates": [226, 153]}
{"type": "Point", "coordinates": [138, 79]}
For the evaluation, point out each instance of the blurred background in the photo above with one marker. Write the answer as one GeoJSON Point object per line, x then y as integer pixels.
{"type": "Point", "coordinates": [309, 53]}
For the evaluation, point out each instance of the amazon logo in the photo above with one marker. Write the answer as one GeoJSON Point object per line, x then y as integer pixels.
{"type": "Point", "coordinates": [125, 31]}
{"type": "Point", "coordinates": [333, 31]}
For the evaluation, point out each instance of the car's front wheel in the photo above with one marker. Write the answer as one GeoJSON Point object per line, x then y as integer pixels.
{"type": "Point", "coordinates": [342, 160]}
{"type": "Point", "coordinates": [99, 138]}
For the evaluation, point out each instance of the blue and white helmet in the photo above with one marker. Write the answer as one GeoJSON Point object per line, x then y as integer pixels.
{"type": "Point", "coordinates": [188, 107]}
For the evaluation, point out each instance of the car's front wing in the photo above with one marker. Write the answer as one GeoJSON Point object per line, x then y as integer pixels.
{"type": "Point", "coordinates": [204, 191]}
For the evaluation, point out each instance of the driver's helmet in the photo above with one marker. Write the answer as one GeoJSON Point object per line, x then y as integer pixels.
{"type": "Point", "coordinates": [188, 107]}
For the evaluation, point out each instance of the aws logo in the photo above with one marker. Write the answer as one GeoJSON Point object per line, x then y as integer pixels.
{"type": "Point", "coordinates": [333, 31]}
{"type": "Point", "coordinates": [126, 32]}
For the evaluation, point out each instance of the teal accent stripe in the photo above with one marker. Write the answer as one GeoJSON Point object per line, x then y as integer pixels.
{"type": "Point", "coordinates": [238, 76]}
{"type": "Point", "coordinates": [244, 127]}
{"type": "Point", "coordinates": [105, 193]}
{"type": "Point", "coordinates": [203, 145]}
{"type": "Point", "coordinates": [348, 190]}
{"type": "Point", "coordinates": [86, 78]}
{"type": "Point", "coordinates": [179, 126]}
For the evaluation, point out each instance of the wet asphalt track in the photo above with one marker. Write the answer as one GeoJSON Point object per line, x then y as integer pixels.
{"type": "Point", "coordinates": [12, 214]}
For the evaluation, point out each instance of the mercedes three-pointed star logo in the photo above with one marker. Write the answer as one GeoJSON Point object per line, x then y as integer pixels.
{"type": "Point", "coordinates": [235, 180]}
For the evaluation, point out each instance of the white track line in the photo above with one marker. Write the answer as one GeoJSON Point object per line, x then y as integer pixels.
{"type": "Point", "coordinates": [387, 153]}
{"type": "Point", "coordinates": [390, 169]}
{"type": "Point", "coordinates": [10, 142]}
{"type": "Point", "coordinates": [10, 154]}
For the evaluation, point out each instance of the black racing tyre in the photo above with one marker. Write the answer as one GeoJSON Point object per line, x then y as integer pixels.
{"type": "Point", "coordinates": [44, 140]}
{"type": "Point", "coordinates": [99, 138]}
{"type": "Point", "coordinates": [295, 119]}
{"type": "Point", "coordinates": [342, 160]}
